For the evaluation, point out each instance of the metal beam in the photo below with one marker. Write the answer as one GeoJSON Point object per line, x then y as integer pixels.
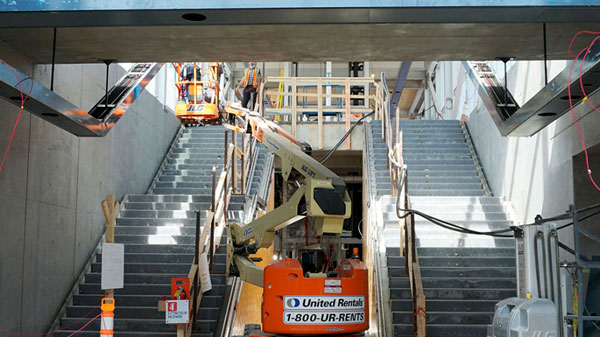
{"type": "Point", "coordinates": [400, 80]}
{"type": "Point", "coordinates": [89, 13]}
{"type": "Point", "coordinates": [47, 105]}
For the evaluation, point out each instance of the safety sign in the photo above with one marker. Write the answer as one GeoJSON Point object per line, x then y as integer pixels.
{"type": "Point", "coordinates": [177, 312]}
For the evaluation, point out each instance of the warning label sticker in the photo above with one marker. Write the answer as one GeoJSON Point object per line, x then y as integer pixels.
{"type": "Point", "coordinates": [323, 317]}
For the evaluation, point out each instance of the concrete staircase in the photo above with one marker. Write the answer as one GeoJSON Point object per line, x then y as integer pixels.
{"type": "Point", "coordinates": [158, 230]}
{"type": "Point", "coordinates": [464, 275]}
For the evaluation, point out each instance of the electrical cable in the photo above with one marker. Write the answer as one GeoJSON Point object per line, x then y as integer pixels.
{"type": "Point", "coordinates": [587, 161]}
{"type": "Point", "coordinates": [496, 233]}
{"type": "Point", "coordinates": [454, 227]}
{"type": "Point", "coordinates": [86, 324]}
{"type": "Point", "coordinates": [23, 99]}
{"type": "Point", "coordinates": [326, 157]}
{"type": "Point", "coordinates": [580, 219]}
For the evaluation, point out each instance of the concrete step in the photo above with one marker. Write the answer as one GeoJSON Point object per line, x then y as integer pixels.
{"type": "Point", "coordinates": [449, 207]}
{"type": "Point", "coordinates": [85, 333]}
{"type": "Point", "coordinates": [150, 278]}
{"type": "Point", "coordinates": [179, 198]}
{"type": "Point", "coordinates": [443, 330]}
{"type": "Point", "coordinates": [459, 282]}
{"type": "Point", "coordinates": [157, 268]}
{"type": "Point", "coordinates": [466, 252]}
{"type": "Point", "coordinates": [446, 192]}
{"type": "Point", "coordinates": [206, 313]}
{"type": "Point", "coordinates": [434, 317]}
{"type": "Point", "coordinates": [459, 293]}
{"type": "Point", "coordinates": [139, 300]}
{"type": "Point", "coordinates": [146, 325]}
{"type": "Point", "coordinates": [455, 261]}
{"type": "Point", "coordinates": [438, 305]}
{"type": "Point", "coordinates": [479, 272]}
{"type": "Point", "coordinates": [142, 289]}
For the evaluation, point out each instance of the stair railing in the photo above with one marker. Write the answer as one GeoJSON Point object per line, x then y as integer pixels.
{"type": "Point", "coordinates": [208, 240]}
{"type": "Point", "coordinates": [399, 188]}
{"type": "Point", "coordinates": [410, 250]}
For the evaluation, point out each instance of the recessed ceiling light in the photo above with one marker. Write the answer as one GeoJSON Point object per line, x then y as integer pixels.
{"type": "Point", "coordinates": [196, 17]}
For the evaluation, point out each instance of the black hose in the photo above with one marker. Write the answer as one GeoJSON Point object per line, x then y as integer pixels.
{"type": "Point", "coordinates": [454, 227]}
{"type": "Point", "coordinates": [324, 159]}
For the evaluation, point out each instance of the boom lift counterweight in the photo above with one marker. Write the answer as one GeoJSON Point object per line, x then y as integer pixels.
{"type": "Point", "coordinates": [296, 301]}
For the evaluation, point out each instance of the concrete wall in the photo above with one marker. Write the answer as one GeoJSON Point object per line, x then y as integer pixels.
{"type": "Point", "coordinates": [535, 174]}
{"type": "Point", "coordinates": [52, 185]}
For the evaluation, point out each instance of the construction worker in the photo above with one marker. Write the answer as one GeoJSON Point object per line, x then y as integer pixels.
{"type": "Point", "coordinates": [249, 82]}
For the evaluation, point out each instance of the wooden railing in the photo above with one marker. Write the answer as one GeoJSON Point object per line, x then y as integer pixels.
{"type": "Point", "coordinates": [409, 250]}
{"type": "Point", "coordinates": [316, 99]}
{"type": "Point", "coordinates": [207, 240]}
{"type": "Point", "coordinates": [399, 188]}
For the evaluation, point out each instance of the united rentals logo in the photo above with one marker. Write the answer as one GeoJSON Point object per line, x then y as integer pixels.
{"type": "Point", "coordinates": [324, 302]}
{"type": "Point", "coordinates": [292, 303]}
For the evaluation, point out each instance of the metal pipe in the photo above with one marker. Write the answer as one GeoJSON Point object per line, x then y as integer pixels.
{"type": "Point", "coordinates": [538, 237]}
{"type": "Point", "coordinates": [53, 61]}
{"type": "Point", "coordinates": [553, 245]}
{"type": "Point", "coordinates": [545, 57]}
{"type": "Point", "coordinates": [107, 62]}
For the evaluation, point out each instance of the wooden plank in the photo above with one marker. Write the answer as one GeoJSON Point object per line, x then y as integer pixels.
{"type": "Point", "coordinates": [110, 208]}
{"type": "Point", "coordinates": [347, 92]}
{"type": "Point", "coordinates": [288, 110]}
{"type": "Point", "coordinates": [294, 106]}
{"type": "Point", "coordinates": [261, 106]}
{"type": "Point", "coordinates": [320, 112]}
{"type": "Point", "coordinates": [234, 163]}
{"type": "Point", "coordinates": [420, 310]}
{"type": "Point", "coordinates": [312, 94]}
{"type": "Point", "coordinates": [313, 80]}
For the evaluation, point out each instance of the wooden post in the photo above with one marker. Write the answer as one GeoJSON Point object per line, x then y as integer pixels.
{"type": "Point", "coordinates": [234, 164]}
{"type": "Point", "coordinates": [294, 106]}
{"type": "Point", "coordinates": [347, 90]}
{"type": "Point", "coordinates": [197, 274]}
{"type": "Point", "coordinates": [225, 151]}
{"type": "Point", "coordinates": [110, 208]}
{"type": "Point", "coordinates": [320, 111]}
{"type": "Point", "coordinates": [244, 164]}
{"type": "Point", "coordinates": [212, 223]}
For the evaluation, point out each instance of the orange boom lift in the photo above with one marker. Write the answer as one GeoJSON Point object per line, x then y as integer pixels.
{"type": "Point", "coordinates": [198, 99]}
{"type": "Point", "coordinates": [295, 300]}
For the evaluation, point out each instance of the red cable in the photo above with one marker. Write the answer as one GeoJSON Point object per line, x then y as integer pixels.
{"type": "Point", "coordinates": [23, 99]}
{"type": "Point", "coordinates": [587, 160]}
{"type": "Point", "coordinates": [50, 332]}
{"type": "Point", "coordinates": [86, 324]}
{"type": "Point", "coordinates": [581, 74]}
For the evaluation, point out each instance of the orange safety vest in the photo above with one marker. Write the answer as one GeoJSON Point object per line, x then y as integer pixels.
{"type": "Point", "coordinates": [254, 80]}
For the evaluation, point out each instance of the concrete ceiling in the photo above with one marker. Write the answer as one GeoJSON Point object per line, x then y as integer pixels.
{"type": "Point", "coordinates": [297, 42]}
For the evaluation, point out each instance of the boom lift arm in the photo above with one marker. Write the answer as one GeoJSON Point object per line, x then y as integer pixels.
{"type": "Point", "coordinates": [296, 301]}
{"type": "Point", "coordinates": [320, 194]}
